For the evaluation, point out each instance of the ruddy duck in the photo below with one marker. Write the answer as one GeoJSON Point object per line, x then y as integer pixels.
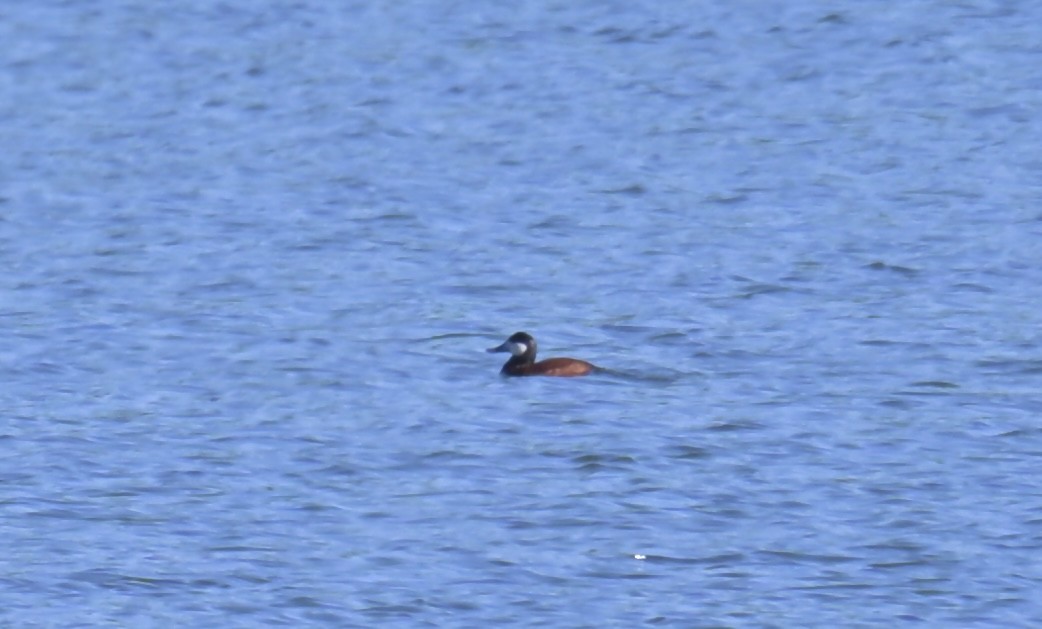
{"type": "Point", "coordinates": [522, 360]}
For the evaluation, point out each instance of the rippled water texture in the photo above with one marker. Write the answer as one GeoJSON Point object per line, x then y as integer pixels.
{"type": "Point", "coordinates": [253, 253]}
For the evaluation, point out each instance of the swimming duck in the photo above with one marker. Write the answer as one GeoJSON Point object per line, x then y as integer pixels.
{"type": "Point", "coordinates": [522, 348]}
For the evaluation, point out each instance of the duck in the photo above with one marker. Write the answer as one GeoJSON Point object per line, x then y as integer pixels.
{"type": "Point", "coordinates": [522, 348]}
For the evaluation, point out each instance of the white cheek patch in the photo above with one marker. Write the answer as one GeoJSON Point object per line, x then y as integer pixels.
{"type": "Point", "coordinates": [518, 349]}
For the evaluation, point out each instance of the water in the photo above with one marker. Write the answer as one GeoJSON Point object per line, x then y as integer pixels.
{"type": "Point", "coordinates": [254, 251]}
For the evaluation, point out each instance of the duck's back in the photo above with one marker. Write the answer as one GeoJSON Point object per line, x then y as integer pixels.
{"type": "Point", "coordinates": [560, 367]}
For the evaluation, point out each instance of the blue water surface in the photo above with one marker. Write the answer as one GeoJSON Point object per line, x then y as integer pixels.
{"type": "Point", "coordinates": [253, 253]}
